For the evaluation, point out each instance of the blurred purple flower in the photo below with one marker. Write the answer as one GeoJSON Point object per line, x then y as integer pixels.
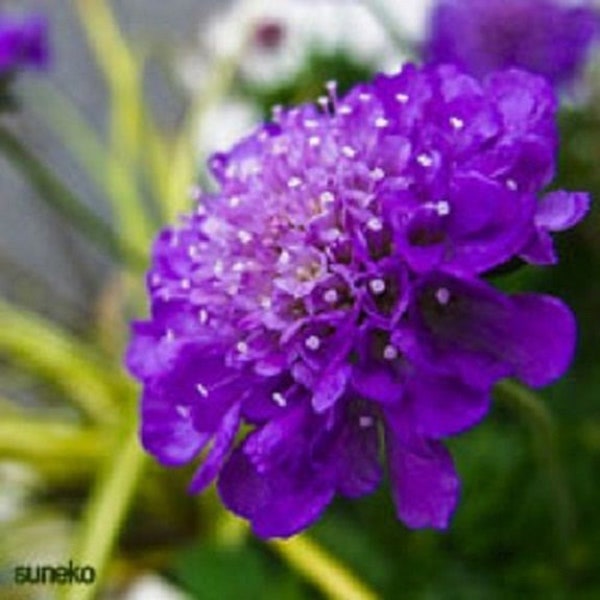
{"type": "Point", "coordinates": [548, 37]}
{"type": "Point", "coordinates": [330, 291]}
{"type": "Point", "coordinates": [23, 43]}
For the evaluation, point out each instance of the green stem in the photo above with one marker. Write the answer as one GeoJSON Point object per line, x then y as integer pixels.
{"type": "Point", "coordinates": [61, 199]}
{"type": "Point", "coordinates": [303, 555]}
{"type": "Point", "coordinates": [399, 38]}
{"type": "Point", "coordinates": [540, 420]}
{"type": "Point", "coordinates": [31, 440]}
{"type": "Point", "coordinates": [322, 569]}
{"type": "Point", "coordinates": [106, 512]}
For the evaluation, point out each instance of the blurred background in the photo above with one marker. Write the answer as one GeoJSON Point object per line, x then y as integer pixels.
{"type": "Point", "coordinates": [99, 149]}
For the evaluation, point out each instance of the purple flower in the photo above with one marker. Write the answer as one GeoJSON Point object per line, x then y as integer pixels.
{"type": "Point", "coordinates": [548, 37]}
{"type": "Point", "coordinates": [330, 290]}
{"type": "Point", "coordinates": [23, 43]}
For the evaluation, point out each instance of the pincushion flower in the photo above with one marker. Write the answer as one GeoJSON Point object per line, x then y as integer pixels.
{"type": "Point", "coordinates": [23, 43]}
{"type": "Point", "coordinates": [329, 295]}
{"type": "Point", "coordinates": [549, 37]}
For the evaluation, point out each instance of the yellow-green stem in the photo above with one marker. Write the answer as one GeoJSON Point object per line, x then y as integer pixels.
{"type": "Point", "coordinates": [106, 511]}
{"type": "Point", "coordinates": [322, 569]}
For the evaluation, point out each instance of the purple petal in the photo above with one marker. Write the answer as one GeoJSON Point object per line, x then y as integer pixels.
{"type": "Point", "coordinates": [356, 455]}
{"type": "Point", "coordinates": [167, 431]}
{"type": "Point", "coordinates": [560, 210]}
{"type": "Point", "coordinates": [539, 250]}
{"type": "Point", "coordinates": [279, 503]}
{"type": "Point", "coordinates": [442, 406]}
{"type": "Point", "coordinates": [330, 387]}
{"type": "Point", "coordinates": [483, 335]}
{"type": "Point", "coordinates": [425, 486]}
{"type": "Point", "coordinates": [221, 446]}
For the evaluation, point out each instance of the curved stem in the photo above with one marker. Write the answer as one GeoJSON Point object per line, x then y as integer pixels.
{"type": "Point", "coordinates": [322, 569]}
{"type": "Point", "coordinates": [106, 512]}
{"type": "Point", "coordinates": [539, 418]}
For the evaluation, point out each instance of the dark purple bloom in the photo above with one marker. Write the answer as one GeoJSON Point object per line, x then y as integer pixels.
{"type": "Point", "coordinates": [23, 43]}
{"type": "Point", "coordinates": [330, 290]}
{"type": "Point", "coordinates": [548, 37]}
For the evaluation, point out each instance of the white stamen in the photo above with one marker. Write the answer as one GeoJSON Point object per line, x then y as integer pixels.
{"type": "Point", "coordinates": [323, 101]}
{"type": "Point", "coordinates": [390, 352]}
{"type": "Point", "coordinates": [348, 151]}
{"type": "Point", "coordinates": [312, 342]}
{"type": "Point", "coordinates": [169, 335]}
{"type": "Point", "coordinates": [242, 347]}
{"type": "Point", "coordinates": [294, 182]}
{"type": "Point", "coordinates": [457, 123]}
{"type": "Point", "coordinates": [402, 98]}
{"type": "Point", "coordinates": [284, 257]}
{"type": "Point", "coordinates": [183, 411]}
{"type": "Point", "coordinates": [377, 286]}
{"type": "Point", "coordinates": [330, 235]}
{"type": "Point", "coordinates": [314, 140]}
{"type": "Point", "coordinates": [202, 390]}
{"type": "Point", "coordinates": [244, 236]}
{"type": "Point", "coordinates": [279, 399]}
{"type": "Point", "coordinates": [511, 184]}
{"type": "Point", "coordinates": [331, 296]}
{"type": "Point", "coordinates": [365, 421]}
{"type": "Point", "coordinates": [218, 268]}
{"type": "Point", "coordinates": [155, 279]}
{"type": "Point", "coordinates": [327, 197]}
{"type": "Point", "coordinates": [195, 192]}
{"type": "Point", "coordinates": [203, 316]}
{"type": "Point", "coordinates": [442, 295]}
{"type": "Point", "coordinates": [265, 302]}
{"type": "Point", "coordinates": [374, 224]}
{"type": "Point", "coordinates": [238, 266]}
{"type": "Point", "coordinates": [234, 201]}
{"type": "Point", "coordinates": [364, 97]}
{"type": "Point", "coordinates": [425, 160]}
{"type": "Point", "coordinates": [345, 110]}
{"type": "Point", "coordinates": [377, 174]}
{"type": "Point", "coordinates": [185, 284]}
{"type": "Point", "coordinates": [311, 123]}
{"type": "Point", "coordinates": [442, 208]}
{"type": "Point", "coordinates": [381, 122]}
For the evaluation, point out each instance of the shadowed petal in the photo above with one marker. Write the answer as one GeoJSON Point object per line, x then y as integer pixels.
{"type": "Point", "coordinates": [221, 446]}
{"type": "Point", "coordinates": [425, 485]}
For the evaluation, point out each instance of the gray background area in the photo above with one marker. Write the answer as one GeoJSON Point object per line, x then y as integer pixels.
{"type": "Point", "coordinates": [34, 243]}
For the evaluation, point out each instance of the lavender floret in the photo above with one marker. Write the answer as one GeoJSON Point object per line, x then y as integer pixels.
{"type": "Point", "coordinates": [552, 38]}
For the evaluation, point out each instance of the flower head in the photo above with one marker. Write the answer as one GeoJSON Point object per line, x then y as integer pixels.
{"type": "Point", "coordinates": [23, 43]}
{"type": "Point", "coordinates": [330, 290]}
{"type": "Point", "coordinates": [548, 37]}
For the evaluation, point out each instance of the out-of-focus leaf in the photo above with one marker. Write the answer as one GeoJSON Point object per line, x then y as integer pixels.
{"type": "Point", "coordinates": [50, 444]}
{"type": "Point", "coordinates": [111, 175]}
{"type": "Point", "coordinates": [123, 72]}
{"type": "Point", "coordinates": [54, 355]}
{"type": "Point", "coordinates": [61, 199]}
{"type": "Point", "coordinates": [211, 572]}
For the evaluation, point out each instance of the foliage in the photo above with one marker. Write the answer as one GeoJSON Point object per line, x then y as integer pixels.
{"type": "Point", "coordinates": [528, 525]}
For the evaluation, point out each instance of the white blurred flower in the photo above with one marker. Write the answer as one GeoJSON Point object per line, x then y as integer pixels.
{"type": "Point", "coordinates": [153, 587]}
{"type": "Point", "coordinates": [283, 32]}
{"type": "Point", "coordinates": [224, 124]}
